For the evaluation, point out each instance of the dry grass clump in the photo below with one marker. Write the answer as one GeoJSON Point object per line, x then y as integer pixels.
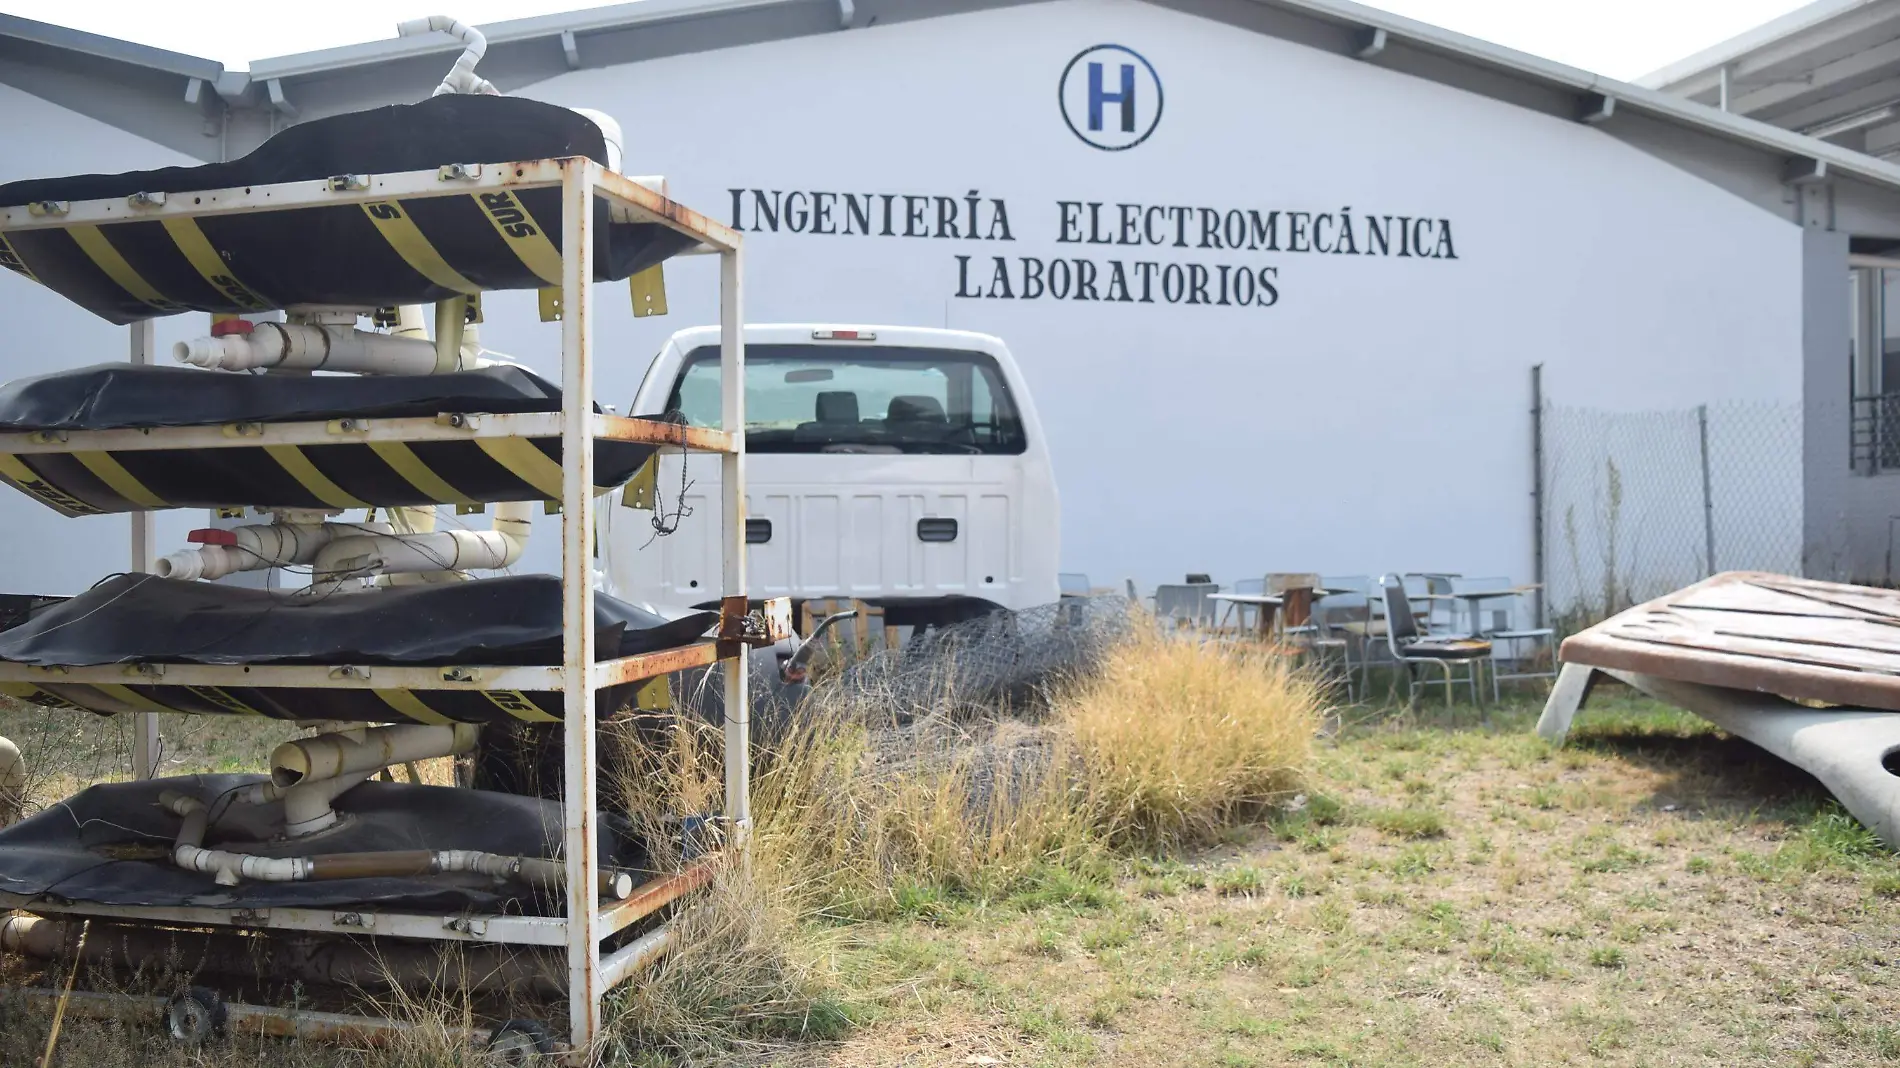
{"type": "Point", "coordinates": [1178, 738]}
{"type": "Point", "coordinates": [858, 816]}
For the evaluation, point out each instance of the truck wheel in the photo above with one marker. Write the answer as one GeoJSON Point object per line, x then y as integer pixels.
{"type": "Point", "coordinates": [195, 1016]}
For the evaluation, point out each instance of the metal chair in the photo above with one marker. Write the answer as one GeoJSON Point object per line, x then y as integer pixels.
{"type": "Point", "coordinates": [1243, 614]}
{"type": "Point", "coordinates": [1072, 584]}
{"type": "Point", "coordinates": [1409, 647]}
{"type": "Point", "coordinates": [1510, 637]}
{"type": "Point", "coordinates": [1186, 604]}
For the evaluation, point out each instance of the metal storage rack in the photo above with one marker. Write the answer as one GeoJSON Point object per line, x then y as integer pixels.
{"type": "Point", "coordinates": [585, 923]}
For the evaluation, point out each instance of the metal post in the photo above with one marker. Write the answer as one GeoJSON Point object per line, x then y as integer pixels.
{"type": "Point", "coordinates": [577, 598]}
{"type": "Point", "coordinates": [732, 480]}
{"type": "Point", "coordinates": [1537, 492]}
{"type": "Point", "coordinates": [145, 745]}
{"type": "Point", "coordinates": [1721, 91]}
{"type": "Point", "coordinates": [1708, 499]}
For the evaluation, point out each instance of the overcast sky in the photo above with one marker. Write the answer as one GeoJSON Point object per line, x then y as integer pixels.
{"type": "Point", "coordinates": [1620, 38]}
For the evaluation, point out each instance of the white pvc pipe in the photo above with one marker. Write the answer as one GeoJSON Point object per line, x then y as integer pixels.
{"type": "Point", "coordinates": [461, 77]}
{"type": "Point", "coordinates": [434, 551]}
{"type": "Point", "coordinates": [311, 347]}
{"type": "Point", "coordinates": [258, 546]}
{"type": "Point", "coordinates": [12, 781]}
{"type": "Point", "coordinates": [329, 756]}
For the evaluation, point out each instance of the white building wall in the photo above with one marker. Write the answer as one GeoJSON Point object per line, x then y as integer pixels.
{"type": "Point", "coordinates": [41, 332]}
{"type": "Point", "coordinates": [1374, 418]}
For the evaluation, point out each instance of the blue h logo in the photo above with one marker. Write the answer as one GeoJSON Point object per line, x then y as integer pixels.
{"type": "Point", "coordinates": [1126, 97]}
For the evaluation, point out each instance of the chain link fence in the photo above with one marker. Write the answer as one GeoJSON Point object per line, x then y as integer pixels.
{"type": "Point", "coordinates": [1636, 504]}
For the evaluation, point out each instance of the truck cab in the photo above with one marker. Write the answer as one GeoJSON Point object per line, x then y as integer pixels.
{"type": "Point", "coordinates": [902, 467]}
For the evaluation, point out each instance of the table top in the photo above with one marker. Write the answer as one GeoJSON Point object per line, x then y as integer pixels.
{"type": "Point", "coordinates": [1479, 595]}
{"type": "Point", "coordinates": [1247, 598]}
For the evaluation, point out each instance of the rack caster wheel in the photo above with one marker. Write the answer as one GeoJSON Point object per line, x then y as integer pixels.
{"type": "Point", "coordinates": [195, 1016]}
{"type": "Point", "coordinates": [521, 1042]}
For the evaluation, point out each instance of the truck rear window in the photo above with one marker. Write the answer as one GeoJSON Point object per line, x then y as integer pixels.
{"type": "Point", "coordinates": [880, 399]}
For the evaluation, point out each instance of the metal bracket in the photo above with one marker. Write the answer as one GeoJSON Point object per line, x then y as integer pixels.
{"type": "Point", "coordinates": [1371, 42]}
{"type": "Point", "coordinates": [55, 208]}
{"type": "Point", "coordinates": [348, 183]}
{"type": "Point", "coordinates": [461, 674]}
{"type": "Point", "coordinates": [146, 200]}
{"type": "Point", "coordinates": [465, 925]}
{"type": "Point", "coordinates": [347, 426]}
{"type": "Point", "coordinates": [570, 50]}
{"type": "Point", "coordinates": [459, 420]}
{"type": "Point", "coordinates": [458, 172]}
{"type": "Point", "coordinates": [1597, 108]}
{"type": "Point", "coordinates": [353, 919]}
{"type": "Point", "coordinates": [350, 671]}
{"type": "Point", "coordinates": [1804, 170]}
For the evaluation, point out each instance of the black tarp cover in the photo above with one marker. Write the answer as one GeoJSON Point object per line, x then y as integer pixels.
{"type": "Point", "coordinates": [109, 844]}
{"type": "Point", "coordinates": [358, 255]}
{"type": "Point", "coordinates": [497, 621]}
{"type": "Point", "coordinates": [512, 620]}
{"type": "Point", "coordinates": [345, 475]}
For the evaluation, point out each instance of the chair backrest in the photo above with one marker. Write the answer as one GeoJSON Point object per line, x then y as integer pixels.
{"type": "Point", "coordinates": [1401, 627]}
{"type": "Point", "coordinates": [1195, 578]}
{"type": "Point", "coordinates": [1502, 611]}
{"type": "Point", "coordinates": [1072, 584]}
{"type": "Point", "coordinates": [1258, 585]}
{"type": "Point", "coordinates": [1185, 601]}
{"type": "Point", "coordinates": [1282, 581]}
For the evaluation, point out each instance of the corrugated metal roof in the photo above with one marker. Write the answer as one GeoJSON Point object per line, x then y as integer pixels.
{"type": "Point", "coordinates": [1528, 69]}
{"type": "Point", "coordinates": [1830, 69]}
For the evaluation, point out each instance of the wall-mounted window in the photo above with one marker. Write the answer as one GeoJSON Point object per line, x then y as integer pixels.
{"type": "Point", "coordinates": [1874, 362]}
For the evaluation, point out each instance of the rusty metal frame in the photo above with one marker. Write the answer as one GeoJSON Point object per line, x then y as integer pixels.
{"type": "Point", "coordinates": [585, 923]}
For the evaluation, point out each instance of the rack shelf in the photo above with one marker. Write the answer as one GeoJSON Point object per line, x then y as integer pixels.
{"type": "Point", "coordinates": [444, 427]}
{"type": "Point", "coordinates": [582, 184]}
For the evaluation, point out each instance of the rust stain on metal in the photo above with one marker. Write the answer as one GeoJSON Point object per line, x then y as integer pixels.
{"type": "Point", "coordinates": [1823, 641]}
{"type": "Point", "coordinates": [656, 894]}
{"type": "Point", "coordinates": [663, 662]}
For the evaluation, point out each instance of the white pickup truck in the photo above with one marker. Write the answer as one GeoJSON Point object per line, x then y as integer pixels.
{"type": "Point", "coordinates": [898, 466]}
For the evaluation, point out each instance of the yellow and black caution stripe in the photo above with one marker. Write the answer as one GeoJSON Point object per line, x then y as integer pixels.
{"type": "Point", "coordinates": [133, 697]}
{"type": "Point", "coordinates": [14, 470]}
{"type": "Point", "coordinates": [113, 474]}
{"type": "Point", "coordinates": [198, 251]}
{"type": "Point", "coordinates": [404, 461]}
{"type": "Point", "coordinates": [93, 242]}
{"type": "Point", "coordinates": [224, 699]}
{"type": "Point", "coordinates": [292, 459]}
{"type": "Point", "coordinates": [526, 463]}
{"type": "Point", "coordinates": [521, 706]}
{"type": "Point", "coordinates": [522, 233]}
{"type": "Point", "coordinates": [407, 239]}
{"type": "Point", "coordinates": [11, 259]}
{"type": "Point", "coordinates": [349, 474]}
{"type": "Point", "coordinates": [411, 706]}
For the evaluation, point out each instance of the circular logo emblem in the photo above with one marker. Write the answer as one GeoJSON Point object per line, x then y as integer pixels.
{"type": "Point", "coordinates": [1111, 97]}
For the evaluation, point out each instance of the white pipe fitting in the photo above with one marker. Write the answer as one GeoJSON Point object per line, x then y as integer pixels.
{"type": "Point", "coordinates": [330, 756]}
{"type": "Point", "coordinates": [359, 556]}
{"type": "Point", "coordinates": [257, 546]}
{"type": "Point", "coordinates": [461, 77]}
{"type": "Point", "coordinates": [311, 347]}
{"type": "Point", "coordinates": [12, 782]}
